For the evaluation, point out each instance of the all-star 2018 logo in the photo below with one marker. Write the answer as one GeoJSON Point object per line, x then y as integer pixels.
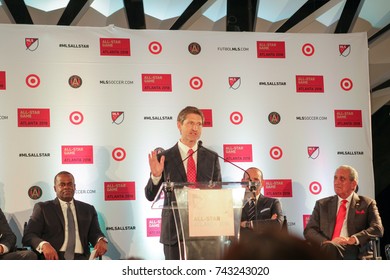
{"type": "Point", "coordinates": [234, 82]}
{"type": "Point", "coordinates": [313, 152]}
{"type": "Point", "coordinates": [117, 117]}
{"type": "Point", "coordinates": [31, 43]}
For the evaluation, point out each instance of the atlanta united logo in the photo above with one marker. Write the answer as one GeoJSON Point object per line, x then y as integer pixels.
{"type": "Point", "coordinates": [194, 48]}
{"type": "Point", "coordinates": [75, 81]}
{"type": "Point", "coordinates": [35, 192]}
{"type": "Point", "coordinates": [274, 118]}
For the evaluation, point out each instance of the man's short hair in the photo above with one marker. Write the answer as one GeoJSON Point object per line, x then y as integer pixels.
{"type": "Point", "coordinates": [189, 110]}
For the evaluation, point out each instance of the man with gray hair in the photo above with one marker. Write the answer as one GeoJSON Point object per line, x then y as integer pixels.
{"type": "Point", "coordinates": [343, 224]}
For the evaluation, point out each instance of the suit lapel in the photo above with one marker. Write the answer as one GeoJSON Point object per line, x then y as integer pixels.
{"type": "Point", "coordinates": [58, 211]}
{"type": "Point", "coordinates": [178, 165]}
{"type": "Point", "coordinates": [332, 214]}
{"type": "Point", "coordinates": [355, 201]}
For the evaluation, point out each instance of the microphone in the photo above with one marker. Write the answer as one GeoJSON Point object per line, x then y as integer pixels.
{"type": "Point", "coordinates": [252, 185]}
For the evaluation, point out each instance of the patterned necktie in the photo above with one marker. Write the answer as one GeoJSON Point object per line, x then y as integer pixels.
{"type": "Point", "coordinates": [340, 219]}
{"type": "Point", "coordinates": [191, 169]}
{"type": "Point", "coordinates": [252, 210]}
{"type": "Point", "coordinates": [69, 252]}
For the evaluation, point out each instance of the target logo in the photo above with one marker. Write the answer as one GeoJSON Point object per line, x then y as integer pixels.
{"type": "Point", "coordinates": [119, 154]}
{"type": "Point", "coordinates": [346, 84]}
{"type": "Point", "coordinates": [236, 118]}
{"type": "Point", "coordinates": [315, 188]}
{"type": "Point", "coordinates": [308, 49]}
{"type": "Point", "coordinates": [76, 118]}
{"type": "Point", "coordinates": [155, 47]}
{"type": "Point", "coordinates": [196, 83]}
{"type": "Point", "coordinates": [33, 81]}
{"type": "Point", "coordinates": [276, 152]}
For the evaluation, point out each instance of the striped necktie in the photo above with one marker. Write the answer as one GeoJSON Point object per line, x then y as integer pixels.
{"type": "Point", "coordinates": [252, 210]}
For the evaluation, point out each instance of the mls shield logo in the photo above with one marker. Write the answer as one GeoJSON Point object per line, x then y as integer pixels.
{"type": "Point", "coordinates": [117, 117]}
{"type": "Point", "coordinates": [313, 152]}
{"type": "Point", "coordinates": [234, 82]}
{"type": "Point", "coordinates": [31, 43]}
{"type": "Point", "coordinates": [344, 50]}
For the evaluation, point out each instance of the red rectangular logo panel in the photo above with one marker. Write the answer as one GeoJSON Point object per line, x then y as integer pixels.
{"type": "Point", "coordinates": [115, 47]}
{"type": "Point", "coordinates": [119, 190]}
{"type": "Point", "coordinates": [237, 152]}
{"type": "Point", "coordinates": [271, 49]}
{"type": "Point", "coordinates": [77, 154]}
{"type": "Point", "coordinates": [278, 188]}
{"type": "Point", "coordinates": [348, 118]}
{"type": "Point", "coordinates": [33, 117]}
{"type": "Point", "coordinates": [156, 82]}
{"type": "Point", "coordinates": [2, 81]}
{"type": "Point", "coordinates": [309, 83]}
{"type": "Point", "coordinates": [153, 227]}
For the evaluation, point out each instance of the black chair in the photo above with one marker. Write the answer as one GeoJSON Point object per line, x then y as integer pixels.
{"type": "Point", "coordinates": [373, 249]}
{"type": "Point", "coordinates": [387, 251]}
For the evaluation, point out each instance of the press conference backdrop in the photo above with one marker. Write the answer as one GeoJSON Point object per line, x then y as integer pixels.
{"type": "Point", "coordinates": [96, 101]}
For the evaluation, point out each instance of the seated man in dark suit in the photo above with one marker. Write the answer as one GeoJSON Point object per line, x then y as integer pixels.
{"type": "Point", "coordinates": [8, 241]}
{"type": "Point", "coordinates": [51, 231]}
{"type": "Point", "coordinates": [359, 219]}
{"type": "Point", "coordinates": [267, 212]}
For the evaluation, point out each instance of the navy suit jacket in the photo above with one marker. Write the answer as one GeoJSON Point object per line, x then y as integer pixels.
{"type": "Point", "coordinates": [208, 169]}
{"type": "Point", "coordinates": [47, 223]}
{"type": "Point", "coordinates": [364, 220]}
{"type": "Point", "coordinates": [265, 208]}
{"type": "Point", "coordinates": [8, 238]}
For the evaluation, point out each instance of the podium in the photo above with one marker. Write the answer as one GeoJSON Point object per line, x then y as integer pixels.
{"type": "Point", "coordinates": [207, 216]}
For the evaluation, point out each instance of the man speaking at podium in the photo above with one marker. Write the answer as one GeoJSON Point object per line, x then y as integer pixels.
{"type": "Point", "coordinates": [186, 161]}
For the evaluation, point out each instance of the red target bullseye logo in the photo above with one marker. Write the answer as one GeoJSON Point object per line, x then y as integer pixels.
{"type": "Point", "coordinates": [119, 154]}
{"type": "Point", "coordinates": [236, 118]}
{"type": "Point", "coordinates": [33, 81]}
{"type": "Point", "coordinates": [155, 47]}
{"type": "Point", "coordinates": [315, 188]}
{"type": "Point", "coordinates": [308, 49]}
{"type": "Point", "coordinates": [346, 84]}
{"type": "Point", "coordinates": [196, 83]}
{"type": "Point", "coordinates": [276, 152]}
{"type": "Point", "coordinates": [76, 118]}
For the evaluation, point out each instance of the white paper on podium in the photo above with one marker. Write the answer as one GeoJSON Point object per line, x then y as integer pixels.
{"type": "Point", "coordinates": [210, 213]}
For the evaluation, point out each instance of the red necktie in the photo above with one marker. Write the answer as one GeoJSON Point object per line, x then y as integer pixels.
{"type": "Point", "coordinates": [191, 169]}
{"type": "Point", "coordinates": [340, 219]}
